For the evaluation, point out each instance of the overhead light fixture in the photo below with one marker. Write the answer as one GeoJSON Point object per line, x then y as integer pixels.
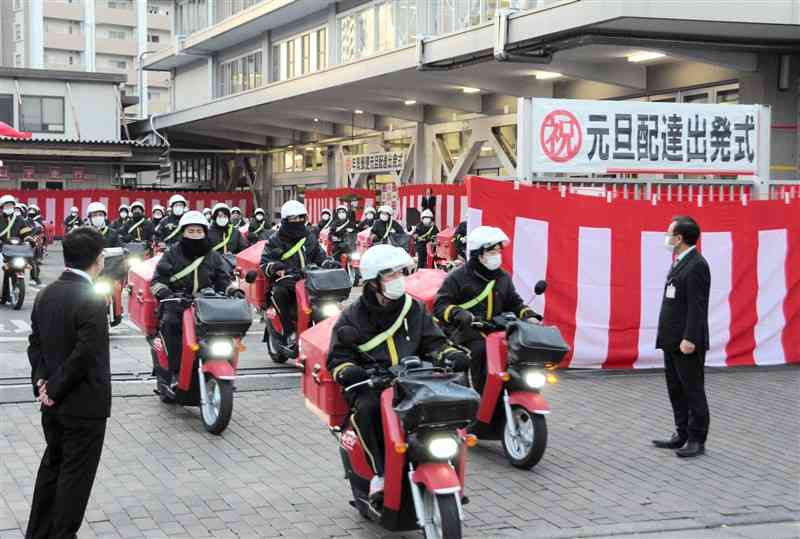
{"type": "Point", "coordinates": [645, 56]}
{"type": "Point", "coordinates": [316, 119]}
{"type": "Point", "coordinates": [358, 111]}
{"type": "Point", "coordinates": [545, 75]}
{"type": "Point", "coordinates": [468, 90]}
{"type": "Point", "coordinates": [410, 102]}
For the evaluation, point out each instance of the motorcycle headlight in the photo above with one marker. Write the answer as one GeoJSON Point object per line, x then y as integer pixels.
{"type": "Point", "coordinates": [443, 447]}
{"type": "Point", "coordinates": [18, 263]}
{"type": "Point", "coordinates": [330, 309]}
{"type": "Point", "coordinates": [535, 379]}
{"type": "Point", "coordinates": [221, 348]}
{"type": "Point", "coordinates": [132, 261]}
{"type": "Point", "coordinates": [102, 288]}
{"type": "Point", "coordinates": [15, 241]}
{"type": "Point", "coordinates": [355, 256]}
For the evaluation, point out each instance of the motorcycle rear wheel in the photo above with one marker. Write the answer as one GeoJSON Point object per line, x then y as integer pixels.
{"type": "Point", "coordinates": [18, 291]}
{"type": "Point", "coordinates": [216, 412]}
{"type": "Point", "coordinates": [528, 450]}
{"type": "Point", "coordinates": [445, 521]}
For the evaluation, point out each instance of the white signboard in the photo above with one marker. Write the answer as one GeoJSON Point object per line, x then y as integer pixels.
{"type": "Point", "coordinates": [375, 162]}
{"type": "Point", "coordinates": [637, 137]}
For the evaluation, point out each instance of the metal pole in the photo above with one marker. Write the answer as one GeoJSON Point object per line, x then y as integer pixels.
{"type": "Point", "coordinates": [141, 82]}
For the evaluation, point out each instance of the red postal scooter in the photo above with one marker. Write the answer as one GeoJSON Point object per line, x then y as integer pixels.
{"type": "Point", "coordinates": [425, 411]}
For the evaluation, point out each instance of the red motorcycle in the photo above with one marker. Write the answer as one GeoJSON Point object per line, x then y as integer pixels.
{"type": "Point", "coordinates": [520, 358]}
{"type": "Point", "coordinates": [442, 253]}
{"type": "Point", "coordinates": [425, 412]}
{"type": "Point", "coordinates": [110, 282]}
{"type": "Point", "coordinates": [214, 326]}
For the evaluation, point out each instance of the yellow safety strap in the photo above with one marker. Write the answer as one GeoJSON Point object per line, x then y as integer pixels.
{"type": "Point", "coordinates": [428, 233]}
{"type": "Point", "coordinates": [224, 243]}
{"type": "Point", "coordinates": [7, 231]}
{"type": "Point", "coordinates": [379, 339]}
{"type": "Point", "coordinates": [343, 225]}
{"type": "Point", "coordinates": [487, 292]}
{"type": "Point", "coordinates": [173, 233]}
{"type": "Point", "coordinates": [259, 229]}
{"type": "Point", "coordinates": [104, 230]}
{"type": "Point", "coordinates": [388, 228]}
{"type": "Point", "coordinates": [295, 249]}
{"type": "Point", "coordinates": [135, 226]}
{"type": "Point", "coordinates": [390, 345]}
{"type": "Point", "coordinates": [187, 270]}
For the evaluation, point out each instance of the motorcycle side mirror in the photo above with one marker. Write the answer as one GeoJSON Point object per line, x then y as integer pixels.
{"type": "Point", "coordinates": [347, 335]}
{"type": "Point", "coordinates": [540, 287]}
{"type": "Point", "coordinates": [411, 362]}
{"type": "Point", "coordinates": [251, 276]}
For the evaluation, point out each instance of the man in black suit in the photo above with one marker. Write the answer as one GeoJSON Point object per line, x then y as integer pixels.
{"type": "Point", "coordinates": [683, 337]}
{"type": "Point", "coordinates": [429, 201]}
{"type": "Point", "coordinates": [69, 356]}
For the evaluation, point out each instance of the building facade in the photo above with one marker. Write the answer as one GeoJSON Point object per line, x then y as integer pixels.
{"type": "Point", "coordinates": [300, 94]}
{"type": "Point", "coordinates": [91, 35]}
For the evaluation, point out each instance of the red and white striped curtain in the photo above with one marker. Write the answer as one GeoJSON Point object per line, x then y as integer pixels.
{"type": "Point", "coordinates": [606, 267]}
{"type": "Point", "coordinates": [451, 202]}
{"type": "Point", "coordinates": [319, 199]}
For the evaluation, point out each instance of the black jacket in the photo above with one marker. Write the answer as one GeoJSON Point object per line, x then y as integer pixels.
{"type": "Point", "coordinates": [340, 229]}
{"type": "Point", "coordinates": [235, 244]}
{"type": "Point", "coordinates": [425, 234]}
{"type": "Point", "coordinates": [418, 335]}
{"type": "Point", "coordinates": [137, 230]}
{"type": "Point", "coordinates": [379, 230]}
{"type": "Point", "coordinates": [68, 347]}
{"type": "Point", "coordinates": [460, 238]}
{"type": "Point", "coordinates": [466, 283]}
{"type": "Point", "coordinates": [257, 231]}
{"type": "Point", "coordinates": [110, 236]}
{"type": "Point", "coordinates": [213, 272]}
{"type": "Point", "coordinates": [429, 203]}
{"type": "Point", "coordinates": [19, 228]}
{"type": "Point", "coordinates": [686, 315]}
{"type": "Point", "coordinates": [278, 244]}
{"type": "Point", "coordinates": [319, 227]}
{"type": "Point", "coordinates": [71, 222]}
{"type": "Point", "coordinates": [119, 224]}
{"type": "Point", "coordinates": [166, 227]}
{"type": "Point", "coordinates": [365, 224]}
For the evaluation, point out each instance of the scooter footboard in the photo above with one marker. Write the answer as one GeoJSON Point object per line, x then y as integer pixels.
{"type": "Point", "coordinates": [437, 477]}
{"type": "Point", "coordinates": [533, 402]}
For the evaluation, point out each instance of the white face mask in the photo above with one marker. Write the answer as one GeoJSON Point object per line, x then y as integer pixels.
{"type": "Point", "coordinates": [259, 217]}
{"type": "Point", "coordinates": [426, 221]}
{"type": "Point", "coordinates": [384, 217]}
{"type": "Point", "coordinates": [74, 214]}
{"type": "Point", "coordinates": [222, 220]}
{"type": "Point", "coordinates": [369, 216]}
{"type": "Point", "coordinates": [342, 215]}
{"type": "Point", "coordinates": [492, 262]}
{"type": "Point", "coordinates": [98, 221]}
{"type": "Point", "coordinates": [9, 211]}
{"type": "Point", "coordinates": [158, 215]}
{"type": "Point", "coordinates": [668, 245]}
{"type": "Point", "coordinates": [123, 214]}
{"type": "Point", "coordinates": [395, 288]}
{"type": "Point", "coordinates": [177, 210]}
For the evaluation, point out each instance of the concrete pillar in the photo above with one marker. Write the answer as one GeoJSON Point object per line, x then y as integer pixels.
{"type": "Point", "coordinates": [36, 35]}
{"type": "Point", "coordinates": [421, 161]}
{"type": "Point", "coordinates": [90, 35]}
{"type": "Point", "coordinates": [141, 39]}
{"type": "Point", "coordinates": [333, 36]}
{"type": "Point", "coordinates": [761, 88]}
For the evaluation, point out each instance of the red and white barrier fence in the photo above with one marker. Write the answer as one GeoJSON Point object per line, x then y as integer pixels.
{"type": "Point", "coordinates": [451, 202]}
{"type": "Point", "coordinates": [606, 267]}
{"type": "Point", "coordinates": [317, 200]}
{"type": "Point", "coordinates": [55, 205]}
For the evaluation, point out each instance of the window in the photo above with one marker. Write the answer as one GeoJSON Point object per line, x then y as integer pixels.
{"type": "Point", "coordinates": [7, 109]}
{"type": "Point", "coordinates": [386, 30]}
{"type": "Point", "coordinates": [119, 4]}
{"type": "Point", "coordinates": [305, 53]}
{"type": "Point", "coordinates": [17, 4]}
{"type": "Point", "coordinates": [54, 185]}
{"type": "Point", "coordinates": [322, 48]}
{"type": "Point", "coordinates": [191, 16]}
{"type": "Point", "coordinates": [119, 64]}
{"type": "Point", "coordinates": [42, 114]}
{"type": "Point", "coordinates": [290, 60]}
{"type": "Point", "coordinates": [117, 34]}
{"type": "Point", "coordinates": [18, 60]}
{"type": "Point", "coordinates": [18, 32]}
{"type": "Point", "coordinates": [241, 74]}
{"type": "Point", "coordinates": [276, 63]}
{"type": "Point", "coordinates": [31, 186]}
{"type": "Point", "coordinates": [153, 38]}
{"type": "Point", "coordinates": [728, 96]}
{"type": "Point", "coordinates": [357, 34]}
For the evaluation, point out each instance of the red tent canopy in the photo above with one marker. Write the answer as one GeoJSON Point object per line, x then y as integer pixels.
{"type": "Point", "coordinates": [8, 131]}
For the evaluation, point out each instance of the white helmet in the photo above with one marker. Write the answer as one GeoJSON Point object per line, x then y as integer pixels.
{"type": "Point", "coordinates": [259, 210]}
{"type": "Point", "coordinates": [220, 206]}
{"type": "Point", "coordinates": [193, 217]}
{"type": "Point", "coordinates": [73, 209]}
{"type": "Point", "coordinates": [138, 204]}
{"type": "Point", "coordinates": [95, 207]}
{"type": "Point", "coordinates": [382, 258]}
{"type": "Point", "coordinates": [236, 208]}
{"type": "Point", "coordinates": [386, 209]}
{"type": "Point", "coordinates": [341, 207]}
{"type": "Point", "coordinates": [177, 198]}
{"type": "Point", "coordinates": [485, 236]}
{"type": "Point", "coordinates": [325, 210]}
{"type": "Point", "coordinates": [7, 199]}
{"type": "Point", "coordinates": [369, 209]}
{"type": "Point", "coordinates": [293, 208]}
{"type": "Point", "coordinates": [123, 207]}
{"type": "Point", "coordinates": [427, 213]}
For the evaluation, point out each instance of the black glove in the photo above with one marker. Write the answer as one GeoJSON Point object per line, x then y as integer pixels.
{"type": "Point", "coordinates": [463, 318]}
{"type": "Point", "coordinates": [330, 264]}
{"type": "Point", "coordinates": [458, 360]}
{"type": "Point", "coordinates": [237, 293]}
{"type": "Point", "coordinates": [531, 314]}
{"type": "Point", "coordinates": [163, 293]}
{"type": "Point", "coordinates": [352, 375]}
{"type": "Point", "coordinates": [275, 267]}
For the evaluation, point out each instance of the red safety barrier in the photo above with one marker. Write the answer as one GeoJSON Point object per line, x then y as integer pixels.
{"type": "Point", "coordinates": [317, 200]}
{"type": "Point", "coordinates": [605, 263]}
{"type": "Point", "coordinates": [55, 205]}
{"type": "Point", "coordinates": [451, 202]}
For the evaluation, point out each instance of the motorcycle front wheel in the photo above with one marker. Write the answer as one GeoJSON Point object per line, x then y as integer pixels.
{"type": "Point", "coordinates": [527, 448]}
{"type": "Point", "coordinates": [442, 510]}
{"type": "Point", "coordinates": [17, 292]}
{"type": "Point", "coordinates": [218, 408]}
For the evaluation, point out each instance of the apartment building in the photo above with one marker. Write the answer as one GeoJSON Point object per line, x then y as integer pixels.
{"type": "Point", "coordinates": [91, 35]}
{"type": "Point", "coordinates": [295, 92]}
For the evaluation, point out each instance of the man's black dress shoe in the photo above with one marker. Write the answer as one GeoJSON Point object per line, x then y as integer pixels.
{"type": "Point", "coordinates": [676, 442]}
{"type": "Point", "coordinates": [691, 449]}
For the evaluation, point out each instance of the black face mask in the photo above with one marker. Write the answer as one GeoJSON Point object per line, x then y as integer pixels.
{"type": "Point", "coordinates": [137, 215]}
{"type": "Point", "coordinates": [195, 248]}
{"type": "Point", "coordinates": [293, 231]}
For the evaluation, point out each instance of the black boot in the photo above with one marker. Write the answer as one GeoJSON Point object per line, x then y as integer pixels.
{"type": "Point", "coordinates": [676, 442]}
{"type": "Point", "coordinates": [692, 449]}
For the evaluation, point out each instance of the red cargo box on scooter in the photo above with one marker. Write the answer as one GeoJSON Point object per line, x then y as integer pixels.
{"type": "Point", "coordinates": [142, 306]}
{"type": "Point", "coordinates": [249, 260]}
{"type": "Point", "coordinates": [445, 245]}
{"type": "Point", "coordinates": [323, 395]}
{"type": "Point", "coordinates": [423, 285]}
